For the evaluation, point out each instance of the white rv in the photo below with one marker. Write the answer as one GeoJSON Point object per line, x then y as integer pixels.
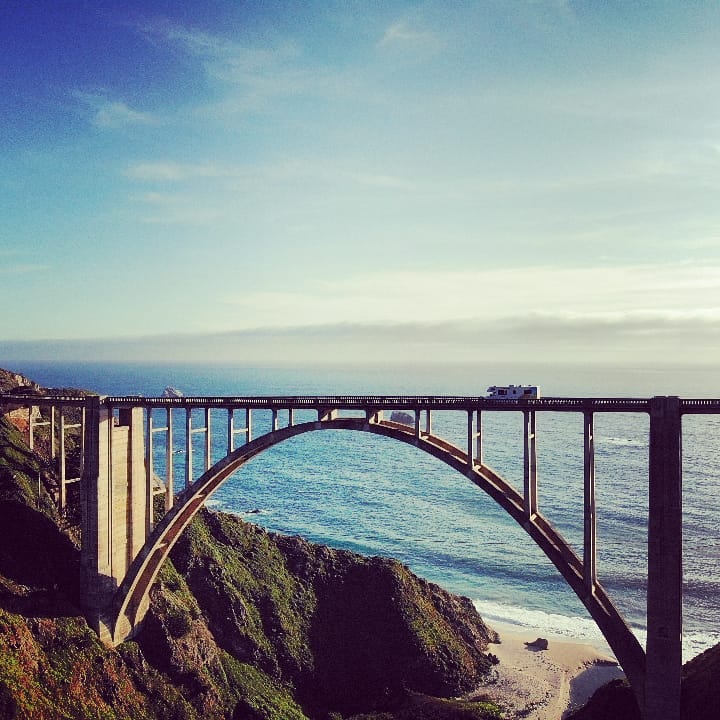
{"type": "Point", "coordinates": [513, 392]}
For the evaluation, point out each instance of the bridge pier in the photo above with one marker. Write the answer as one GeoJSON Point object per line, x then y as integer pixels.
{"type": "Point", "coordinates": [664, 592]}
{"type": "Point", "coordinates": [590, 520]}
{"type": "Point", "coordinates": [114, 507]}
{"type": "Point", "coordinates": [530, 463]}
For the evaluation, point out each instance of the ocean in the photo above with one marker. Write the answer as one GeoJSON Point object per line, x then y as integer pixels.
{"type": "Point", "coordinates": [376, 496]}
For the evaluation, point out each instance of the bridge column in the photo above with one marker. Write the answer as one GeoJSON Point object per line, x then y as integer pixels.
{"type": "Point", "coordinates": [478, 438]}
{"type": "Point", "coordinates": [31, 428]}
{"type": "Point", "coordinates": [52, 432]}
{"type": "Point", "coordinates": [470, 438]}
{"type": "Point", "coordinates": [188, 447]}
{"type": "Point", "coordinates": [208, 440]}
{"type": "Point", "coordinates": [169, 484]}
{"type": "Point", "coordinates": [149, 497]}
{"type": "Point", "coordinates": [114, 509]}
{"type": "Point", "coordinates": [664, 593]}
{"type": "Point", "coordinates": [590, 536]}
{"type": "Point", "coordinates": [530, 463]}
{"type": "Point", "coordinates": [230, 430]}
{"type": "Point", "coordinates": [96, 582]}
{"type": "Point", "coordinates": [62, 499]}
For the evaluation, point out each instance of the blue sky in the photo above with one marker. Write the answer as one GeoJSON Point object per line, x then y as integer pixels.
{"type": "Point", "coordinates": [355, 180]}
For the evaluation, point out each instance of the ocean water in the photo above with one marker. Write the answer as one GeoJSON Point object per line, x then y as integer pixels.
{"type": "Point", "coordinates": [379, 497]}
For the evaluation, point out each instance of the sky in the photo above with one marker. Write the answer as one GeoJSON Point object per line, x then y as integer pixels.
{"type": "Point", "coordinates": [281, 182]}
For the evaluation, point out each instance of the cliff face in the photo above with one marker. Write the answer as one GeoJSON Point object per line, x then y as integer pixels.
{"type": "Point", "coordinates": [348, 633]}
{"type": "Point", "coordinates": [243, 624]}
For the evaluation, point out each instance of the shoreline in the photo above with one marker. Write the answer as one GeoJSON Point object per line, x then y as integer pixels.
{"type": "Point", "coordinates": [547, 684]}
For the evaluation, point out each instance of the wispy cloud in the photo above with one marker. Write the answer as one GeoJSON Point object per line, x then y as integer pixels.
{"type": "Point", "coordinates": [402, 33]}
{"type": "Point", "coordinates": [114, 114]}
{"type": "Point", "coordinates": [175, 172]}
{"type": "Point", "coordinates": [160, 208]}
{"type": "Point", "coordinates": [299, 170]}
{"type": "Point", "coordinates": [14, 268]}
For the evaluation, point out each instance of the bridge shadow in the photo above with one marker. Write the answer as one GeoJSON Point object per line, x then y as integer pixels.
{"type": "Point", "coordinates": [39, 565]}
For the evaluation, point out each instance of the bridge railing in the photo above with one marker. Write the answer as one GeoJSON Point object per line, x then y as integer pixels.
{"type": "Point", "coordinates": [389, 402]}
{"type": "Point", "coordinates": [688, 406]}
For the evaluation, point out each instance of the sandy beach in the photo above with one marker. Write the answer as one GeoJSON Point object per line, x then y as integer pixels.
{"type": "Point", "coordinates": [545, 684]}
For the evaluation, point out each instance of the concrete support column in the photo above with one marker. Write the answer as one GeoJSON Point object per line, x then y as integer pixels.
{"type": "Point", "coordinates": [590, 539]}
{"type": "Point", "coordinates": [208, 440]}
{"type": "Point", "coordinates": [664, 593]}
{"type": "Point", "coordinates": [149, 471]}
{"type": "Point", "coordinates": [291, 417]}
{"type": "Point", "coordinates": [478, 438]}
{"type": "Point", "coordinates": [273, 420]}
{"type": "Point", "coordinates": [62, 499]}
{"type": "Point", "coordinates": [82, 441]}
{"type": "Point", "coordinates": [138, 510]}
{"type": "Point", "coordinates": [52, 432]}
{"type": "Point", "coordinates": [31, 428]}
{"type": "Point", "coordinates": [169, 481]}
{"type": "Point", "coordinates": [97, 584]}
{"type": "Point", "coordinates": [188, 447]}
{"type": "Point", "coordinates": [248, 424]}
{"type": "Point", "coordinates": [230, 430]}
{"type": "Point", "coordinates": [428, 422]}
{"type": "Point", "coordinates": [530, 463]}
{"type": "Point", "coordinates": [417, 423]}
{"type": "Point", "coordinates": [470, 438]}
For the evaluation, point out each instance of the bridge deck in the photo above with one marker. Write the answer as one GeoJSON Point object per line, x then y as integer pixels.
{"type": "Point", "coordinates": [697, 406]}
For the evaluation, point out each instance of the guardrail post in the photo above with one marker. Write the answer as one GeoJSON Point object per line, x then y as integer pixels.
{"type": "Point", "coordinates": [664, 593]}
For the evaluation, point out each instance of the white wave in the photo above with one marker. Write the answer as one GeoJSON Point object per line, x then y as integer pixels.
{"type": "Point", "coordinates": [578, 629]}
{"type": "Point", "coordinates": [621, 441]}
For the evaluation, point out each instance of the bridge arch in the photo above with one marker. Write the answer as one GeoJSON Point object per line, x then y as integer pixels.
{"type": "Point", "coordinates": [132, 597]}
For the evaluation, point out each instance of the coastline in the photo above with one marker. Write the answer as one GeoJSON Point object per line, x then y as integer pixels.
{"type": "Point", "coordinates": [545, 684]}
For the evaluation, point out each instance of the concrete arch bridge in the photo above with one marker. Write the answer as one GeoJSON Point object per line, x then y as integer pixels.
{"type": "Point", "coordinates": [123, 547]}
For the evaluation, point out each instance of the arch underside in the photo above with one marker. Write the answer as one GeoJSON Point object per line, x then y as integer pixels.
{"type": "Point", "coordinates": [131, 599]}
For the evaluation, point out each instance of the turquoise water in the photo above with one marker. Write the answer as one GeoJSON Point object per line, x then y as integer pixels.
{"type": "Point", "coordinates": [377, 496]}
